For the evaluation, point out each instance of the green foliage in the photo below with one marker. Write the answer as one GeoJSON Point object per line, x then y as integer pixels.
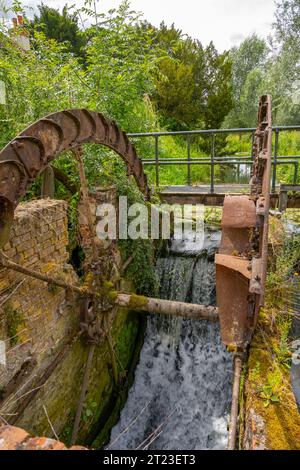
{"type": "Point", "coordinates": [279, 287]}
{"type": "Point", "coordinates": [89, 410]}
{"type": "Point", "coordinates": [141, 269]}
{"type": "Point", "coordinates": [247, 76]}
{"type": "Point", "coordinates": [36, 81]}
{"type": "Point", "coordinates": [270, 392]}
{"type": "Point", "coordinates": [260, 68]}
{"type": "Point", "coordinates": [193, 84]}
{"type": "Point", "coordinates": [115, 79]}
{"type": "Point", "coordinates": [63, 27]}
{"type": "Point", "coordinates": [251, 55]}
{"type": "Point", "coordinates": [283, 351]}
{"type": "Point", "coordinates": [120, 59]}
{"type": "Point", "coordinates": [287, 23]}
{"type": "Point", "coordinates": [254, 373]}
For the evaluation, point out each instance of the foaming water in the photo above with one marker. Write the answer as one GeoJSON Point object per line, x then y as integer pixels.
{"type": "Point", "coordinates": [180, 399]}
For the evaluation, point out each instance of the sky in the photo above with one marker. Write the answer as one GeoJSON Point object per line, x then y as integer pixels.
{"type": "Point", "coordinates": [225, 22]}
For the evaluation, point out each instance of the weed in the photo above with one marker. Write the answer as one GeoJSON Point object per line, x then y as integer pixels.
{"type": "Point", "coordinates": [271, 391]}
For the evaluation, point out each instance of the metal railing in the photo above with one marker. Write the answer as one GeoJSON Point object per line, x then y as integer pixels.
{"type": "Point", "coordinates": [214, 160]}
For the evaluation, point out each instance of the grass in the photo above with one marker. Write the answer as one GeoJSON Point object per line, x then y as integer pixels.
{"type": "Point", "coordinates": [268, 391]}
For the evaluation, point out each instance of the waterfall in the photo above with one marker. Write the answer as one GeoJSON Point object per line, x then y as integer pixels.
{"type": "Point", "coordinates": [180, 399]}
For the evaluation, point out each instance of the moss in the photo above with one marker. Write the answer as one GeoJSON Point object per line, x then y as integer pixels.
{"type": "Point", "coordinates": [14, 321]}
{"type": "Point", "coordinates": [282, 419]}
{"type": "Point", "coordinates": [103, 399]}
{"type": "Point", "coordinates": [129, 358]}
{"type": "Point", "coordinates": [108, 285]}
{"type": "Point", "coordinates": [112, 295]}
{"type": "Point", "coordinates": [268, 389]}
{"type": "Point", "coordinates": [137, 301]}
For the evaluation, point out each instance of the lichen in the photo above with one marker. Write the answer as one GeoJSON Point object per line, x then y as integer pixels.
{"type": "Point", "coordinates": [103, 399]}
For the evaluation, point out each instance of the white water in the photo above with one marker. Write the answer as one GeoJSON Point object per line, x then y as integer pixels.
{"type": "Point", "coordinates": [181, 395]}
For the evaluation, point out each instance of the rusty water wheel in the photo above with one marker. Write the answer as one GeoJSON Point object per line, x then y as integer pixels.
{"type": "Point", "coordinates": [29, 154]}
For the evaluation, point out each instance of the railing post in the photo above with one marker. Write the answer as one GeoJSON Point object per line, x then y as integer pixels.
{"type": "Point", "coordinates": [212, 168]}
{"type": "Point", "coordinates": [189, 160]}
{"type": "Point", "coordinates": [275, 160]}
{"type": "Point", "coordinates": [252, 145]}
{"type": "Point", "coordinates": [156, 162]}
{"type": "Point", "coordinates": [296, 172]}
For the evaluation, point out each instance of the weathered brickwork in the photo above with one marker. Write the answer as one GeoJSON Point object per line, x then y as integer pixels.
{"type": "Point", "coordinates": [46, 350]}
{"type": "Point", "coordinates": [96, 198]}
{"type": "Point", "coordinates": [34, 317]}
{"type": "Point", "coordinates": [12, 438]}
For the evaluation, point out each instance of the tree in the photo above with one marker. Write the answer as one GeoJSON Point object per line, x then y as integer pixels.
{"type": "Point", "coordinates": [249, 61]}
{"type": "Point", "coordinates": [284, 68]}
{"type": "Point", "coordinates": [287, 24]}
{"type": "Point", "coordinates": [174, 93]}
{"type": "Point", "coordinates": [63, 27]}
{"type": "Point", "coordinates": [193, 84]}
{"type": "Point", "coordinates": [251, 55]}
{"type": "Point", "coordinates": [217, 93]}
{"type": "Point", "coordinates": [120, 63]}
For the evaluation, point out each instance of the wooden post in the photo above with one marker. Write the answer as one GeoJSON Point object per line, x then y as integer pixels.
{"type": "Point", "coordinates": [48, 186]}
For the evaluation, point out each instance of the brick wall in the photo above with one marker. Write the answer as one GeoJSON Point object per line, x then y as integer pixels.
{"type": "Point", "coordinates": [46, 352]}
{"type": "Point", "coordinates": [34, 317]}
{"type": "Point", "coordinates": [12, 438]}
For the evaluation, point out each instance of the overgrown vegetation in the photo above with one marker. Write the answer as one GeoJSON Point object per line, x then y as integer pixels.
{"type": "Point", "coordinates": [148, 79]}
{"type": "Point", "coordinates": [268, 384]}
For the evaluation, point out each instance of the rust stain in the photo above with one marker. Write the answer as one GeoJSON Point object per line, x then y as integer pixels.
{"type": "Point", "coordinates": [241, 265]}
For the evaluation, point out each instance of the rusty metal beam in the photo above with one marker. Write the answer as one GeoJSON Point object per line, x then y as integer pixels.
{"type": "Point", "coordinates": [233, 424]}
{"type": "Point", "coordinates": [241, 265]}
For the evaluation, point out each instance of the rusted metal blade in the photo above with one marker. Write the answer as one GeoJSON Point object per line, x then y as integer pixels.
{"type": "Point", "coordinates": [241, 265]}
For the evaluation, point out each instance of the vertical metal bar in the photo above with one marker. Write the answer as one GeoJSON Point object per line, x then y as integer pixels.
{"type": "Point", "coordinates": [238, 172]}
{"type": "Point", "coordinates": [252, 145]}
{"type": "Point", "coordinates": [296, 172]}
{"type": "Point", "coordinates": [156, 162]}
{"type": "Point", "coordinates": [212, 162]}
{"type": "Point", "coordinates": [189, 181]}
{"type": "Point", "coordinates": [233, 425]}
{"type": "Point", "coordinates": [275, 160]}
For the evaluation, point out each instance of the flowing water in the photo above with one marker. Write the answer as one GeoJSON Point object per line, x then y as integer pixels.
{"type": "Point", "coordinates": [181, 395]}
